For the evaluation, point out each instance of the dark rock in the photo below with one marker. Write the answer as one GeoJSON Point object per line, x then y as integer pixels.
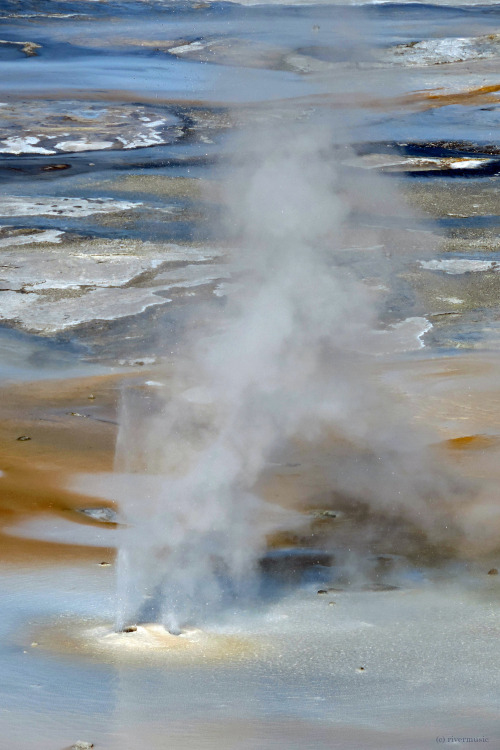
{"type": "Point", "coordinates": [493, 572]}
{"type": "Point", "coordinates": [53, 167]}
{"type": "Point", "coordinates": [22, 438]}
{"type": "Point", "coordinates": [290, 564]}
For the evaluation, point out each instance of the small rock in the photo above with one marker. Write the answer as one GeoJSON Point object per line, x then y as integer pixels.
{"type": "Point", "coordinates": [91, 397]}
{"type": "Point", "coordinates": [23, 437]}
{"type": "Point", "coordinates": [77, 414]}
{"type": "Point", "coordinates": [322, 591]}
{"type": "Point", "coordinates": [130, 629]}
{"type": "Point", "coordinates": [493, 572]}
{"type": "Point", "coordinates": [106, 515]}
{"type": "Point", "coordinates": [80, 745]}
{"type": "Point", "coordinates": [34, 644]}
{"type": "Point", "coordinates": [331, 604]}
{"type": "Point", "coordinates": [30, 48]}
{"type": "Point", "coordinates": [104, 564]}
{"type": "Point", "coordinates": [324, 513]}
{"type": "Point", "coordinates": [360, 669]}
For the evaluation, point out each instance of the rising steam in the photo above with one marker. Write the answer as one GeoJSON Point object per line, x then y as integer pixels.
{"type": "Point", "coordinates": [287, 358]}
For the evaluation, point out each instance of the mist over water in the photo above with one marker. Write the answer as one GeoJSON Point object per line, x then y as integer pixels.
{"type": "Point", "coordinates": [287, 358]}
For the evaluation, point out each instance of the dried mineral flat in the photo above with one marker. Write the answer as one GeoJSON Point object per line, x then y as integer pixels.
{"type": "Point", "coordinates": [455, 266]}
{"type": "Point", "coordinates": [65, 285]}
{"type": "Point", "coordinates": [62, 127]}
{"type": "Point", "coordinates": [18, 205]}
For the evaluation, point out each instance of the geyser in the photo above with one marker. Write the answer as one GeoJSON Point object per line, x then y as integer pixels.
{"type": "Point", "coordinates": [146, 643]}
{"type": "Point", "coordinates": [286, 358]}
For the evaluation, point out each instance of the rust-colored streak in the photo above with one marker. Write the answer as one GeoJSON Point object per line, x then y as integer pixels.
{"type": "Point", "coordinates": [480, 95]}
{"type": "Point", "coordinates": [472, 442]}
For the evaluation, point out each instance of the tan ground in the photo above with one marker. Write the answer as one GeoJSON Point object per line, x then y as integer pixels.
{"type": "Point", "coordinates": [456, 399]}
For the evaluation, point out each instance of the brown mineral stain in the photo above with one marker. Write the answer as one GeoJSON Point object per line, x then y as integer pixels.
{"type": "Point", "coordinates": [36, 472]}
{"type": "Point", "coordinates": [477, 95]}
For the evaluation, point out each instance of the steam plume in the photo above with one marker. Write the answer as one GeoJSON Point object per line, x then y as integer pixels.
{"type": "Point", "coordinates": [285, 359]}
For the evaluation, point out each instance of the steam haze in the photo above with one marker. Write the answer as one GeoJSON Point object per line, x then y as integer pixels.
{"type": "Point", "coordinates": [288, 358]}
